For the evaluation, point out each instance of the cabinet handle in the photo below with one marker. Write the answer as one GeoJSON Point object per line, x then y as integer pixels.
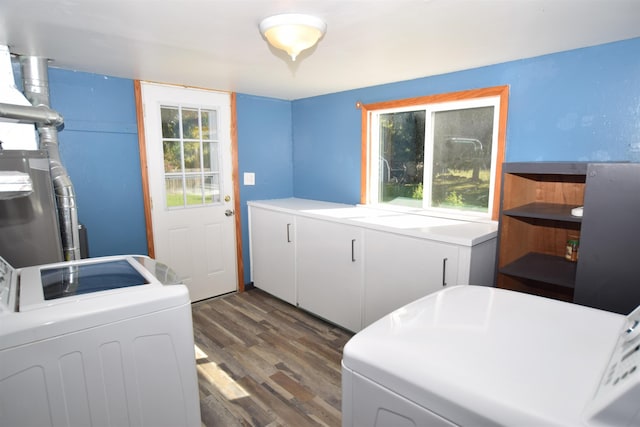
{"type": "Point", "coordinates": [444, 271]}
{"type": "Point", "coordinates": [353, 250]}
{"type": "Point", "coordinates": [288, 233]}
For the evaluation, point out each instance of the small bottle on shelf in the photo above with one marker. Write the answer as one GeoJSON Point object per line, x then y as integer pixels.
{"type": "Point", "coordinates": [571, 251]}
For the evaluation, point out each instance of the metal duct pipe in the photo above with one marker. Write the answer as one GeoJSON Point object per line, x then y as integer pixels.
{"type": "Point", "coordinates": [35, 79]}
{"type": "Point", "coordinates": [28, 114]}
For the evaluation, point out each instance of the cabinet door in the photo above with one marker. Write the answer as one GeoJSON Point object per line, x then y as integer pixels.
{"type": "Point", "coordinates": [609, 254]}
{"type": "Point", "coordinates": [329, 271]}
{"type": "Point", "coordinates": [272, 237]}
{"type": "Point", "coordinates": [401, 269]}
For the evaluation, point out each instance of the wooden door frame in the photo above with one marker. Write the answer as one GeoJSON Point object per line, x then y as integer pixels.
{"type": "Point", "coordinates": [137, 89]}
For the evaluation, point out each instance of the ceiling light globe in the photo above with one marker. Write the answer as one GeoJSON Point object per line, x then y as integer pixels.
{"type": "Point", "coordinates": [292, 32]}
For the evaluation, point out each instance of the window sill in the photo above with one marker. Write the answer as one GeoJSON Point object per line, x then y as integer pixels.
{"type": "Point", "coordinates": [437, 213]}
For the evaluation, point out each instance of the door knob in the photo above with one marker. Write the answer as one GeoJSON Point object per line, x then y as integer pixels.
{"type": "Point", "coordinates": [229, 212]}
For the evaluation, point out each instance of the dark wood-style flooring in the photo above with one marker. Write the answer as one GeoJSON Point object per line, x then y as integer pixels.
{"type": "Point", "coordinates": [263, 362]}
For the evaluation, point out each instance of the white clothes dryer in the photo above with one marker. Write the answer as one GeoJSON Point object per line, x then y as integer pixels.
{"type": "Point", "coordinates": [481, 356]}
{"type": "Point", "coordinates": [97, 342]}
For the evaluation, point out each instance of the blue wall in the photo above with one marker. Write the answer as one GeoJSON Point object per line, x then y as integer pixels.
{"type": "Point", "coordinates": [264, 148]}
{"type": "Point", "coordinates": [99, 148]}
{"type": "Point", "coordinates": [577, 105]}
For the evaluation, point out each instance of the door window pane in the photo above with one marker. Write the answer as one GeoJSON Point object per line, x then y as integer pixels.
{"type": "Point", "coordinates": [190, 124]}
{"type": "Point", "coordinates": [174, 191]}
{"type": "Point", "coordinates": [188, 154]}
{"type": "Point", "coordinates": [210, 124]}
{"type": "Point", "coordinates": [172, 156]}
{"type": "Point", "coordinates": [194, 189]}
{"type": "Point", "coordinates": [211, 156]}
{"type": "Point", "coordinates": [192, 157]}
{"type": "Point", "coordinates": [170, 122]}
{"type": "Point", "coordinates": [212, 188]}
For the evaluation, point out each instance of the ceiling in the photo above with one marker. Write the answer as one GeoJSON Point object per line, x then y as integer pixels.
{"type": "Point", "coordinates": [216, 43]}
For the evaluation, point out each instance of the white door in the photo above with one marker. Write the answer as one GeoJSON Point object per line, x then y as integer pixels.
{"type": "Point", "coordinates": [188, 147]}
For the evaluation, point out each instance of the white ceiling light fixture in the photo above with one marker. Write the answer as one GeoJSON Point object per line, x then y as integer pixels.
{"type": "Point", "coordinates": [292, 32]}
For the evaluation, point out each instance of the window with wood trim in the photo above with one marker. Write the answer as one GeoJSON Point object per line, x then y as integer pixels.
{"type": "Point", "coordinates": [440, 153]}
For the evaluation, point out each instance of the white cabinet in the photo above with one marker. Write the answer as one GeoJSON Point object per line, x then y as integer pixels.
{"type": "Point", "coordinates": [352, 265]}
{"type": "Point", "coordinates": [330, 270]}
{"type": "Point", "coordinates": [400, 269]}
{"type": "Point", "coordinates": [273, 250]}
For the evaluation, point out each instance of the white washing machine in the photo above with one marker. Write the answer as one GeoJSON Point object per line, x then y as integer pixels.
{"type": "Point", "coordinates": [97, 342]}
{"type": "Point", "coordinates": [480, 356]}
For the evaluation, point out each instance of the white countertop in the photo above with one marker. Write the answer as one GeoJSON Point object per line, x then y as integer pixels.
{"type": "Point", "coordinates": [449, 230]}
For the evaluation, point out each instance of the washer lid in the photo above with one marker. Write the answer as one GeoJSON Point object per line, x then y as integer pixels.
{"type": "Point", "coordinates": [74, 281]}
{"type": "Point", "coordinates": [478, 355]}
{"type": "Point", "coordinates": [77, 279]}
{"type": "Point", "coordinates": [36, 318]}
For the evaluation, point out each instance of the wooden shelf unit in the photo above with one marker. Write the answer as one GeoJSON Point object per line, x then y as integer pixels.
{"type": "Point", "coordinates": [535, 224]}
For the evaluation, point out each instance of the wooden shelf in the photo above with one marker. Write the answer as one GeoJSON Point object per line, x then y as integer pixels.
{"type": "Point", "coordinates": [536, 223]}
{"type": "Point", "coordinates": [543, 268]}
{"type": "Point", "coordinates": [552, 211]}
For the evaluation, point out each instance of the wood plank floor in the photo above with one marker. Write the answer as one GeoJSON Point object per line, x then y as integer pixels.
{"type": "Point", "coordinates": [263, 362]}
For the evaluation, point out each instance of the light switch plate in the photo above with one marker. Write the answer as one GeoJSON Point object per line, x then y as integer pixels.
{"type": "Point", "coordinates": [249, 178]}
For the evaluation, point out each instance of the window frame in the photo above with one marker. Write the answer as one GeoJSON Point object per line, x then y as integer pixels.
{"type": "Point", "coordinates": [367, 111]}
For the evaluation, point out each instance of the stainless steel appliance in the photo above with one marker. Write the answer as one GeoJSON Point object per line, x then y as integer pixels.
{"type": "Point", "coordinates": [29, 231]}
